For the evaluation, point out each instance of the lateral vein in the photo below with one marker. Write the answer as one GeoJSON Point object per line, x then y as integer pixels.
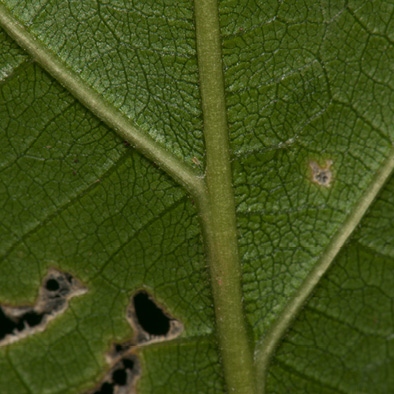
{"type": "Point", "coordinates": [266, 348]}
{"type": "Point", "coordinates": [112, 117]}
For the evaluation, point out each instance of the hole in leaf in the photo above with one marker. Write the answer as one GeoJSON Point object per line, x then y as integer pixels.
{"type": "Point", "coordinates": [106, 388]}
{"type": "Point", "coordinates": [119, 377]}
{"type": "Point", "coordinates": [150, 324]}
{"type": "Point", "coordinates": [118, 348]}
{"type": "Point", "coordinates": [128, 364]}
{"type": "Point", "coordinates": [19, 322]}
{"type": "Point", "coordinates": [7, 326]}
{"type": "Point", "coordinates": [52, 285]}
{"type": "Point", "coordinates": [150, 317]}
{"type": "Point", "coordinates": [32, 318]}
{"type": "Point", "coordinates": [11, 325]}
{"type": "Point", "coordinates": [123, 375]}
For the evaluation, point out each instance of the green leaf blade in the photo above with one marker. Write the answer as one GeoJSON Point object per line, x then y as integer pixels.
{"type": "Point", "coordinates": [289, 106]}
{"type": "Point", "coordinates": [307, 93]}
{"type": "Point", "coordinates": [140, 57]}
{"type": "Point", "coordinates": [86, 212]}
{"type": "Point", "coordinates": [346, 328]}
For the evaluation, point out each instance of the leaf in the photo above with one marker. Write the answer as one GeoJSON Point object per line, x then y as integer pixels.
{"type": "Point", "coordinates": [254, 204]}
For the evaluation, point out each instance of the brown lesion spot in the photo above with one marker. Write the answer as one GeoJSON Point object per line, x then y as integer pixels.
{"type": "Point", "coordinates": [321, 175]}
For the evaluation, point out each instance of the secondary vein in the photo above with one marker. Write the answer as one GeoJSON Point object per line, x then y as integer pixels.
{"type": "Point", "coordinates": [123, 126]}
{"type": "Point", "coordinates": [267, 346]}
{"type": "Point", "coordinates": [218, 211]}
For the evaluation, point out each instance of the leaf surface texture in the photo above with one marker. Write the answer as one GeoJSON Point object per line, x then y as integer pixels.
{"type": "Point", "coordinates": [305, 82]}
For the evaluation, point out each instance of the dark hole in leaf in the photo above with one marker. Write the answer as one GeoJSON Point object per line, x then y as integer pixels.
{"type": "Point", "coordinates": [119, 377]}
{"type": "Point", "coordinates": [8, 326]}
{"type": "Point", "coordinates": [19, 325]}
{"type": "Point", "coordinates": [52, 285]}
{"type": "Point", "coordinates": [128, 364]}
{"type": "Point", "coordinates": [106, 388]}
{"type": "Point", "coordinates": [32, 318]}
{"type": "Point", "coordinates": [118, 348]}
{"type": "Point", "coordinates": [53, 296]}
{"type": "Point", "coordinates": [150, 316]}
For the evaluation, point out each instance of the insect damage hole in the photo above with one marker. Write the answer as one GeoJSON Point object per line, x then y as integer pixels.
{"type": "Point", "coordinates": [322, 176]}
{"type": "Point", "coordinates": [52, 285]}
{"type": "Point", "coordinates": [21, 321]}
{"type": "Point", "coordinates": [150, 317]}
{"type": "Point", "coordinates": [121, 378]}
{"type": "Point", "coordinates": [150, 321]}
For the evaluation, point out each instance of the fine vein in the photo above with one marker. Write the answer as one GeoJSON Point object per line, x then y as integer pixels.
{"type": "Point", "coordinates": [267, 346]}
{"type": "Point", "coordinates": [100, 107]}
{"type": "Point", "coordinates": [218, 214]}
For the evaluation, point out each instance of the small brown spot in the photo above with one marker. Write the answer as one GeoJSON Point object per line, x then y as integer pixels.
{"type": "Point", "coordinates": [196, 161]}
{"type": "Point", "coordinates": [321, 175]}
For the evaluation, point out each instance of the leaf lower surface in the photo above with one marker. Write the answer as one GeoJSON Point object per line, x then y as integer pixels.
{"type": "Point", "coordinates": [304, 81]}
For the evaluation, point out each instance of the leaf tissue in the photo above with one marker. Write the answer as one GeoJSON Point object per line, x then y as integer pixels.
{"type": "Point", "coordinates": [223, 167]}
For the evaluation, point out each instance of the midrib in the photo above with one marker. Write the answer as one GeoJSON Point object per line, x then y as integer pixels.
{"type": "Point", "coordinates": [218, 212]}
{"type": "Point", "coordinates": [214, 195]}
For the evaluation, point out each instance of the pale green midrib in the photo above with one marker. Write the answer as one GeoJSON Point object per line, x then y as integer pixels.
{"type": "Point", "coordinates": [111, 116]}
{"type": "Point", "coordinates": [236, 350]}
{"type": "Point", "coordinates": [218, 212]}
{"type": "Point", "coordinates": [265, 349]}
